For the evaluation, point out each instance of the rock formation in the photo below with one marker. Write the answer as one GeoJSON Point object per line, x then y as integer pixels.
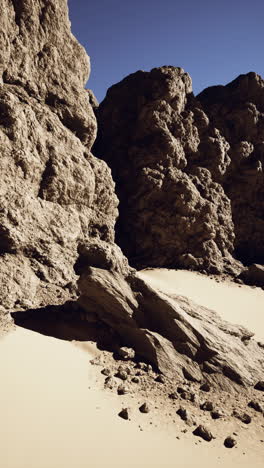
{"type": "Point", "coordinates": [237, 110]}
{"type": "Point", "coordinates": [55, 196]}
{"type": "Point", "coordinates": [188, 170]}
{"type": "Point", "coordinates": [59, 207]}
{"type": "Point", "coordinates": [177, 336]}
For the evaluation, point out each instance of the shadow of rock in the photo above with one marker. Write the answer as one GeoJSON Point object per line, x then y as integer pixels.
{"type": "Point", "coordinates": [67, 322]}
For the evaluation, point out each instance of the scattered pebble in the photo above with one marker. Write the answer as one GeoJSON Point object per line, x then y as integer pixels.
{"type": "Point", "coordinates": [217, 414]}
{"type": "Point", "coordinates": [122, 390]}
{"type": "Point", "coordinates": [144, 408]}
{"type": "Point", "coordinates": [203, 432]}
{"type": "Point", "coordinates": [126, 353]}
{"type": "Point", "coordinates": [106, 371]}
{"type": "Point", "coordinates": [256, 406]}
{"type": "Point", "coordinates": [110, 383]}
{"type": "Point", "coordinates": [207, 406]}
{"type": "Point", "coordinates": [260, 385]}
{"type": "Point", "coordinates": [135, 379]}
{"type": "Point", "coordinates": [121, 374]}
{"type": "Point", "coordinates": [244, 417]}
{"type": "Point", "coordinates": [160, 379]}
{"type": "Point", "coordinates": [230, 442]}
{"type": "Point", "coordinates": [124, 414]}
{"type": "Point", "coordinates": [205, 387]}
{"type": "Point", "coordinates": [188, 396]}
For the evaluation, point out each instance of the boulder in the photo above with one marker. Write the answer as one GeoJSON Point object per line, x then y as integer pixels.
{"type": "Point", "coordinates": [57, 200]}
{"type": "Point", "coordinates": [253, 275]}
{"type": "Point", "coordinates": [162, 329]}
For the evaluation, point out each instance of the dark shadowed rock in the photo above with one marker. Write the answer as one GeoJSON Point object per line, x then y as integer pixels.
{"type": "Point", "coordinates": [207, 406]}
{"type": "Point", "coordinates": [243, 417]}
{"type": "Point", "coordinates": [260, 385]}
{"type": "Point", "coordinates": [189, 171]}
{"type": "Point", "coordinates": [203, 432]}
{"type": "Point", "coordinates": [230, 442]}
{"type": "Point", "coordinates": [168, 162]}
{"type": "Point", "coordinates": [256, 406]}
{"type": "Point", "coordinates": [144, 408]}
{"type": "Point", "coordinates": [237, 111]}
{"type": "Point", "coordinates": [253, 275]}
{"type": "Point", "coordinates": [124, 414]}
{"type": "Point", "coordinates": [205, 387]}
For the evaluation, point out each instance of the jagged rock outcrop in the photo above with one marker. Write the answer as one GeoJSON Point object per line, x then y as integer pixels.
{"type": "Point", "coordinates": [191, 191]}
{"type": "Point", "coordinates": [55, 197]}
{"type": "Point", "coordinates": [237, 110]}
{"type": "Point", "coordinates": [179, 337]}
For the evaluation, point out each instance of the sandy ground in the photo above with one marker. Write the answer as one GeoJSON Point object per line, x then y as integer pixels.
{"type": "Point", "coordinates": [54, 412]}
{"type": "Point", "coordinates": [239, 304]}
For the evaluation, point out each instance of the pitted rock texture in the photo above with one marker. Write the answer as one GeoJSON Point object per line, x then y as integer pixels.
{"type": "Point", "coordinates": [237, 110]}
{"type": "Point", "coordinates": [55, 197]}
{"type": "Point", "coordinates": [177, 336]}
{"type": "Point", "coordinates": [184, 201]}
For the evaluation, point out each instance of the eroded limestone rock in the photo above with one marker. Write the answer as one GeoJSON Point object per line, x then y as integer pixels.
{"type": "Point", "coordinates": [188, 170]}
{"type": "Point", "coordinates": [55, 197]}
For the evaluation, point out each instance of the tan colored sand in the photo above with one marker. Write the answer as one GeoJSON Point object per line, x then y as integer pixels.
{"type": "Point", "coordinates": [54, 414]}
{"type": "Point", "coordinates": [243, 305]}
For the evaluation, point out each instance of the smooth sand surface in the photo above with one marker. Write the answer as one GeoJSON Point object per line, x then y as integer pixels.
{"type": "Point", "coordinates": [55, 414]}
{"type": "Point", "coordinates": [238, 304]}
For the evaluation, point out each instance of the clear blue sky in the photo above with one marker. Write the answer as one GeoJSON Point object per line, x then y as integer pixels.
{"type": "Point", "coordinates": [214, 41]}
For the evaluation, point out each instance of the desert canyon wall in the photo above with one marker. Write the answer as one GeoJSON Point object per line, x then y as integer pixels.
{"type": "Point", "coordinates": [189, 170]}
{"type": "Point", "coordinates": [177, 174]}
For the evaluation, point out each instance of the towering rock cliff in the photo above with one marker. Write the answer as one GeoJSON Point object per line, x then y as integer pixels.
{"type": "Point", "coordinates": [59, 207]}
{"type": "Point", "coordinates": [188, 170]}
{"type": "Point", "coordinates": [55, 197]}
{"type": "Point", "coordinates": [237, 110]}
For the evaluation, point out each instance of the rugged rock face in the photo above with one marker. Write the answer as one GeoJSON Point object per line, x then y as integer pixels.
{"type": "Point", "coordinates": [178, 336]}
{"type": "Point", "coordinates": [237, 110]}
{"type": "Point", "coordinates": [55, 197]}
{"type": "Point", "coordinates": [191, 192]}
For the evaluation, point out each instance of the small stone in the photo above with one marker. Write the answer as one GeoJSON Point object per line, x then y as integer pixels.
{"type": "Point", "coordinates": [160, 379]}
{"type": "Point", "coordinates": [256, 406]}
{"type": "Point", "coordinates": [260, 385]}
{"type": "Point", "coordinates": [106, 371]}
{"type": "Point", "coordinates": [203, 432]}
{"type": "Point", "coordinates": [124, 414]}
{"type": "Point", "coordinates": [143, 366]}
{"type": "Point", "coordinates": [121, 374]}
{"type": "Point", "coordinates": [207, 406]}
{"type": "Point", "coordinates": [122, 390]}
{"type": "Point", "coordinates": [110, 383]}
{"type": "Point", "coordinates": [205, 387]}
{"type": "Point", "coordinates": [180, 389]}
{"type": "Point", "coordinates": [126, 353]}
{"type": "Point", "coordinates": [124, 368]}
{"type": "Point", "coordinates": [182, 412]}
{"type": "Point", "coordinates": [217, 414]}
{"type": "Point", "coordinates": [230, 442]}
{"type": "Point", "coordinates": [188, 396]}
{"type": "Point", "coordinates": [173, 396]}
{"type": "Point", "coordinates": [135, 379]}
{"type": "Point", "coordinates": [144, 408]}
{"type": "Point", "coordinates": [243, 417]}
